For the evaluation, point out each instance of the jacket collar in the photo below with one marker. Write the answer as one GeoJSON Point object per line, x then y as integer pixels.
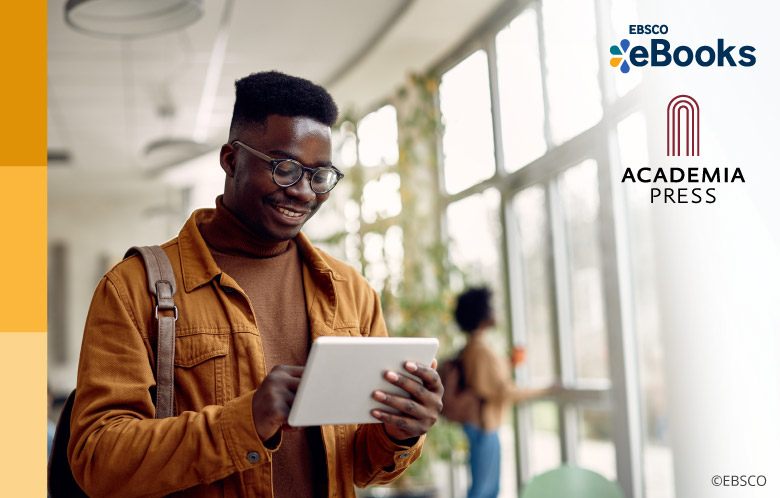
{"type": "Point", "coordinates": [198, 266]}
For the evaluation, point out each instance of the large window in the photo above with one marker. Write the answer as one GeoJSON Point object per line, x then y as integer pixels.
{"type": "Point", "coordinates": [535, 126]}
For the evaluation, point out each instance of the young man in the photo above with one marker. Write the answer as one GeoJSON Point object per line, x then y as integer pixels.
{"type": "Point", "coordinates": [253, 293]}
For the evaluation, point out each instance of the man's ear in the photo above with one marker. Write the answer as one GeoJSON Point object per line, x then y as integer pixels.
{"type": "Point", "coordinates": [227, 159]}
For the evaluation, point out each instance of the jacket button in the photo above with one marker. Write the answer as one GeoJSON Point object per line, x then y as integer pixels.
{"type": "Point", "coordinates": [404, 455]}
{"type": "Point", "coordinates": [253, 457]}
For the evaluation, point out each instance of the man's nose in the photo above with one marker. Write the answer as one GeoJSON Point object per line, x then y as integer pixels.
{"type": "Point", "coordinates": [302, 189]}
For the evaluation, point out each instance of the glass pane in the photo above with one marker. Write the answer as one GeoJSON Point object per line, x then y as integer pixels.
{"type": "Point", "coordinates": [373, 252]}
{"type": "Point", "coordinates": [520, 90]}
{"type": "Point", "coordinates": [658, 463]}
{"type": "Point", "coordinates": [381, 197]}
{"type": "Point", "coordinates": [530, 207]}
{"type": "Point", "coordinates": [572, 66]}
{"type": "Point", "coordinates": [378, 137]}
{"type": "Point", "coordinates": [468, 126]}
{"type": "Point", "coordinates": [344, 146]}
{"type": "Point", "coordinates": [474, 231]}
{"type": "Point", "coordinates": [596, 450]}
{"type": "Point", "coordinates": [545, 440]}
{"type": "Point", "coordinates": [580, 201]}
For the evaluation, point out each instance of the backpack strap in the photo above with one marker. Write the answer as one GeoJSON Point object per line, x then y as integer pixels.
{"type": "Point", "coordinates": [162, 285]}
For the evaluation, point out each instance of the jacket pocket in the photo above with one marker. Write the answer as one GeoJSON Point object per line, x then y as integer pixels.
{"type": "Point", "coordinates": [199, 362]}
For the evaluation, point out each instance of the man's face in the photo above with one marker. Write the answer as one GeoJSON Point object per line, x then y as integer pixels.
{"type": "Point", "coordinates": [272, 212]}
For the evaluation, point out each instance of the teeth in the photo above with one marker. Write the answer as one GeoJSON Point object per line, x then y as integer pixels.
{"type": "Point", "coordinates": [288, 212]}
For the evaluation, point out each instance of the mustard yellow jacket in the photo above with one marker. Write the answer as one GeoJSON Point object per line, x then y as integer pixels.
{"type": "Point", "coordinates": [210, 448]}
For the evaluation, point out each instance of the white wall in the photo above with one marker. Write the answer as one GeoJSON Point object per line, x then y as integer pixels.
{"type": "Point", "coordinates": [97, 223]}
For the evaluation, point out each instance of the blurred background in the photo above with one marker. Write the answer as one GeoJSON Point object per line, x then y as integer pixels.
{"type": "Point", "coordinates": [483, 143]}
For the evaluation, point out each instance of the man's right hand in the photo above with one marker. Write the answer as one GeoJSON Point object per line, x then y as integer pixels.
{"type": "Point", "coordinates": [274, 398]}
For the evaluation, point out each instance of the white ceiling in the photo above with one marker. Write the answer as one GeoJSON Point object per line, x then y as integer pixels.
{"type": "Point", "coordinates": [109, 99]}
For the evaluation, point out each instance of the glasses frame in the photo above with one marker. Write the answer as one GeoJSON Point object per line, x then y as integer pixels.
{"type": "Point", "coordinates": [276, 162]}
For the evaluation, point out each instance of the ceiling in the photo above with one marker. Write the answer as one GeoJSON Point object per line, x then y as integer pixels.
{"type": "Point", "coordinates": [110, 101]}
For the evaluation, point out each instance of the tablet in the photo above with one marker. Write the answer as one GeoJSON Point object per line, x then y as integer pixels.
{"type": "Point", "coordinates": [341, 374]}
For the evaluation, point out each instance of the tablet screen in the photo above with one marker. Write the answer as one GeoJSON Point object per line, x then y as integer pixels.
{"type": "Point", "coordinates": [341, 374]}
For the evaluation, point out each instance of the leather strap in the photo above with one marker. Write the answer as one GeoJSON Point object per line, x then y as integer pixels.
{"type": "Point", "coordinates": [162, 285]}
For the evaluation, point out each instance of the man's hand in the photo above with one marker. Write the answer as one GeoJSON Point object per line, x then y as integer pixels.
{"type": "Point", "coordinates": [419, 412]}
{"type": "Point", "coordinates": [273, 399]}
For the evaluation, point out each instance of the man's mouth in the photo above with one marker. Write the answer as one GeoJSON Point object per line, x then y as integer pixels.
{"type": "Point", "coordinates": [289, 212]}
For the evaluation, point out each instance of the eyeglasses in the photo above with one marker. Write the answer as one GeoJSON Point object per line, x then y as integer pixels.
{"type": "Point", "coordinates": [287, 172]}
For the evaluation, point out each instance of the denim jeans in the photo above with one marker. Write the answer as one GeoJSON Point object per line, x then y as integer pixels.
{"type": "Point", "coordinates": [485, 462]}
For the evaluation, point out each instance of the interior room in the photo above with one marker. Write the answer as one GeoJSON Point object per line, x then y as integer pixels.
{"type": "Point", "coordinates": [482, 143]}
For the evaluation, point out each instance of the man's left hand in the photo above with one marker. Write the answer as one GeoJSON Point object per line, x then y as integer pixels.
{"type": "Point", "coordinates": [418, 412]}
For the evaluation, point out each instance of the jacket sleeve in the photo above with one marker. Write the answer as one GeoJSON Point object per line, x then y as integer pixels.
{"type": "Point", "coordinates": [378, 460]}
{"type": "Point", "coordinates": [117, 448]}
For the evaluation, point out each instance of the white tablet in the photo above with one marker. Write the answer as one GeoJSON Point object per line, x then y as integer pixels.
{"type": "Point", "coordinates": [341, 373]}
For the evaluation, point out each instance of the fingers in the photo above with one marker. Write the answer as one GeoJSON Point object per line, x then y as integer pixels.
{"type": "Point", "coordinates": [431, 383]}
{"type": "Point", "coordinates": [408, 427]}
{"type": "Point", "coordinates": [400, 403]}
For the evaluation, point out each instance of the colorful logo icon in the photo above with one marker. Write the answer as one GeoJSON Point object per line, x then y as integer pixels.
{"type": "Point", "coordinates": [620, 56]}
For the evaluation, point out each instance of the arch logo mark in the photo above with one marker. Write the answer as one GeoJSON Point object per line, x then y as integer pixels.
{"type": "Point", "coordinates": [682, 112]}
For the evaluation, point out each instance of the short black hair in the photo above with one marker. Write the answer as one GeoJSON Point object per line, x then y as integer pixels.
{"type": "Point", "coordinates": [473, 308]}
{"type": "Point", "coordinates": [261, 94]}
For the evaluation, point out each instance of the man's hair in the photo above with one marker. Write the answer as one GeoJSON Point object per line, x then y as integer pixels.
{"type": "Point", "coordinates": [261, 94]}
{"type": "Point", "coordinates": [473, 308]}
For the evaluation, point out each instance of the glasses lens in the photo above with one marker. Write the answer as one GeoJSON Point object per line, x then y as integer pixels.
{"type": "Point", "coordinates": [287, 173]}
{"type": "Point", "coordinates": [324, 180]}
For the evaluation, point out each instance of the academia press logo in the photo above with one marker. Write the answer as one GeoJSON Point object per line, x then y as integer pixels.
{"type": "Point", "coordinates": [661, 53]}
{"type": "Point", "coordinates": [689, 182]}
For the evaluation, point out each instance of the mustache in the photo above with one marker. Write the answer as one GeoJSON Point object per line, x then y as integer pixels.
{"type": "Point", "coordinates": [295, 206]}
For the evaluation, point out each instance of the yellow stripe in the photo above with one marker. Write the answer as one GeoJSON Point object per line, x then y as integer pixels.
{"type": "Point", "coordinates": [23, 250]}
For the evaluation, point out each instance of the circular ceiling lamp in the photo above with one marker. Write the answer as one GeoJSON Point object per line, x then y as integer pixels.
{"type": "Point", "coordinates": [131, 18]}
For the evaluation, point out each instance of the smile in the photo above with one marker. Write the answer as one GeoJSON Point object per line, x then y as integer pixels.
{"type": "Point", "coordinates": [287, 212]}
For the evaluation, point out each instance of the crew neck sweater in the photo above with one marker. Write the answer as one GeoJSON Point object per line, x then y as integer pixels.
{"type": "Point", "coordinates": [270, 275]}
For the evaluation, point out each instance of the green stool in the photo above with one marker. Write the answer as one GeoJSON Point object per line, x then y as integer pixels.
{"type": "Point", "coordinates": [570, 482]}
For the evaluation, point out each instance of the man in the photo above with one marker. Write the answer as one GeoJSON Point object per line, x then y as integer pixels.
{"type": "Point", "coordinates": [253, 293]}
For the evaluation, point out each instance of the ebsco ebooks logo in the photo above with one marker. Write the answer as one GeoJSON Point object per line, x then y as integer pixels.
{"type": "Point", "coordinates": [661, 53]}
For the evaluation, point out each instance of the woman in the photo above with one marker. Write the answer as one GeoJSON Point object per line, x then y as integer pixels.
{"type": "Point", "coordinates": [489, 377]}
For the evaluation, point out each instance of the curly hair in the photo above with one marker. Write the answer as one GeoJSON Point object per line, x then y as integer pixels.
{"type": "Point", "coordinates": [262, 94]}
{"type": "Point", "coordinates": [473, 308]}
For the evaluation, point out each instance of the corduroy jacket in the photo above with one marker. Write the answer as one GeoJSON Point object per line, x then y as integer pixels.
{"type": "Point", "coordinates": [210, 448]}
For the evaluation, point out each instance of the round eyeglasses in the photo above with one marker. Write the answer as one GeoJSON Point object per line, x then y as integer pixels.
{"type": "Point", "coordinates": [287, 172]}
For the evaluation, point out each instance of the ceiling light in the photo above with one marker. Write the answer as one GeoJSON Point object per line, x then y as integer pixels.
{"type": "Point", "coordinates": [131, 18]}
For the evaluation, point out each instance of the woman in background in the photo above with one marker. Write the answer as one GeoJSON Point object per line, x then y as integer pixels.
{"type": "Point", "coordinates": [489, 376]}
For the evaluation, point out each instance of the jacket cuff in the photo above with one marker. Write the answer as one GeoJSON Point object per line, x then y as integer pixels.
{"type": "Point", "coordinates": [401, 455]}
{"type": "Point", "coordinates": [238, 427]}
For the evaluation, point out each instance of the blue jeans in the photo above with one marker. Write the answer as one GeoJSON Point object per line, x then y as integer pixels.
{"type": "Point", "coordinates": [485, 462]}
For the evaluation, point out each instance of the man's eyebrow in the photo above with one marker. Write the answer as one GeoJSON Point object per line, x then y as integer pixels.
{"type": "Point", "coordinates": [323, 164]}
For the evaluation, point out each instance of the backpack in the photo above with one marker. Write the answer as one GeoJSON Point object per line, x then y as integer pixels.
{"type": "Point", "coordinates": [461, 403]}
{"type": "Point", "coordinates": [162, 285]}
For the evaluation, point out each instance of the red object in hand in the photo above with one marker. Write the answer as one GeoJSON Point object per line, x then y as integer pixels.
{"type": "Point", "coordinates": [518, 355]}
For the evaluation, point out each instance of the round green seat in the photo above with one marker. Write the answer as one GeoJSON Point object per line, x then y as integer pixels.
{"type": "Point", "coordinates": [570, 482]}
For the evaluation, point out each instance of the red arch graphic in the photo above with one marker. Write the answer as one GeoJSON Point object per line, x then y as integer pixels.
{"type": "Point", "coordinates": [674, 125]}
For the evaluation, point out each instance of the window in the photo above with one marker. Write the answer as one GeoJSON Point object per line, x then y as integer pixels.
{"type": "Point", "coordinates": [537, 215]}
{"type": "Point", "coordinates": [520, 87]}
{"type": "Point", "coordinates": [468, 126]}
{"type": "Point", "coordinates": [572, 67]}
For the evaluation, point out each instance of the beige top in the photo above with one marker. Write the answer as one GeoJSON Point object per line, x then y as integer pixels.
{"type": "Point", "coordinates": [489, 376]}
